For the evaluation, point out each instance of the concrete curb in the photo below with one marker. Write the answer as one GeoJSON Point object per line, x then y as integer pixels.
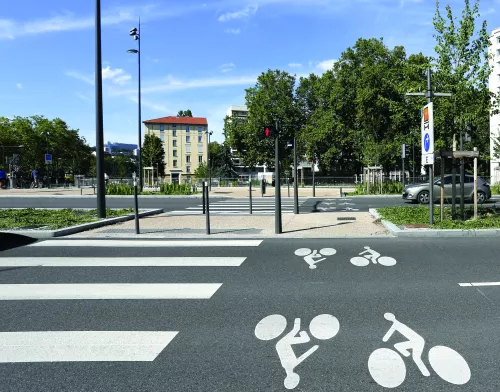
{"type": "Point", "coordinates": [25, 195]}
{"type": "Point", "coordinates": [216, 237]}
{"type": "Point", "coordinates": [44, 234]}
{"type": "Point", "coordinates": [434, 233]}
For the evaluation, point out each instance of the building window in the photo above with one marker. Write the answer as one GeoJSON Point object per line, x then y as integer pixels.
{"type": "Point", "coordinates": [200, 158]}
{"type": "Point", "coordinates": [175, 162]}
{"type": "Point", "coordinates": [200, 140]}
{"type": "Point", "coordinates": [187, 128]}
{"type": "Point", "coordinates": [200, 129]}
{"type": "Point", "coordinates": [174, 133]}
{"type": "Point", "coordinates": [188, 139]}
{"type": "Point", "coordinates": [174, 153]}
{"type": "Point", "coordinates": [200, 148]}
{"type": "Point", "coordinates": [162, 136]}
{"type": "Point", "coordinates": [162, 128]}
{"type": "Point", "coordinates": [174, 143]}
{"type": "Point", "coordinates": [188, 158]}
{"type": "Point", "coordinates": [188, 148]}
{"type": "Point", "coordinates": [188, 169]}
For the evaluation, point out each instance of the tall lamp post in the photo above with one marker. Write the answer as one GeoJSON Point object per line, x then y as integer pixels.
{"type": "Point", "coordinates": [135, 32]}
{"type": "Point", "coordinates": [208, 161]}
{"type": "Point", "coordinates": [101, 190]}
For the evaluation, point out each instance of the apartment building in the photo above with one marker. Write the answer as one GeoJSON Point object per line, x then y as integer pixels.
{"type": "Point", "coordinates": [494, 84]}
{"type": "Point", "coordinates": [185, 142]}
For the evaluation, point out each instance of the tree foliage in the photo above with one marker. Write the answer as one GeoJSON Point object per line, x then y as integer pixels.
{"type": "Point", "coordinates": [184, 113]}
{"type": "Point", "coordinates": [153, 153]}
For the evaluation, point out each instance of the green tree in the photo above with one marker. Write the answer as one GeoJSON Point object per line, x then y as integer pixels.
{"type": "Point", "coordinates": [201, 171]}
{"type": "Point", "coordinates": [462, 68]}
{"type": "Point", "coordinates": [153, 153]}
{"type": "Point", "coordinates": [271, 101]}
{"type": "Point", "coordinates": [184, 113]}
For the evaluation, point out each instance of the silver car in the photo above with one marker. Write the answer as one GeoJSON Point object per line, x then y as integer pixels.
{"type": "Point", "coordinates": [419, 193]}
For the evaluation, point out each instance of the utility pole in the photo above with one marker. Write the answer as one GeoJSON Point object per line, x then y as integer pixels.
{"type": "Point", "coordinates": [295, 181]}
{"type": "Point", "coordinates": [277, 183]}
{"type": "Point", "coordinates": [101, 190]}
{"type": "Point", "coordinates": [429, 94]}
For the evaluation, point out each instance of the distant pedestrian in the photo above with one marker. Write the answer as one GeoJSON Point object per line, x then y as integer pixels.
{"type": "Point", "coordinates": [35, 178]}
{"type": "Point", "coordinates": [3, 178]}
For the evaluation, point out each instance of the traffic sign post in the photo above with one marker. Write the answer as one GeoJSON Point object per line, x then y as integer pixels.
{"type": "Point", "coordinates": [403, 156]}
{"type": "Point", "coordinates": [427, 136]}
{"type": "Point", "coordinates": [48, 159]}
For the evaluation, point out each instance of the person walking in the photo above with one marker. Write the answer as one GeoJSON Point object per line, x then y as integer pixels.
{"type": "Point", "coordinates": [3, 178]}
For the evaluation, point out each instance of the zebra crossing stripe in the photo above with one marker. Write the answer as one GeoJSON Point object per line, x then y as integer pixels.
{"type": "Point", "coordinates": [95, 291]}
{"type": "Point", "coordinates": [121, 261]}
{"type": "Point", "coordinates": [148, 244]}
{"type": "Point", "coordinates": [69, 346]}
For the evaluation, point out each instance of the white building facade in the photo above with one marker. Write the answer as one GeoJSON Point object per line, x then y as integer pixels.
{"type": "Point", "coordinates": [494, 84]}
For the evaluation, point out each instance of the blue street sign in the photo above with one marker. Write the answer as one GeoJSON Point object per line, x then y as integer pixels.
{"type": "Point", "coordinates": [48, 158]}
{"type": "Point", "coordinates": [427, 142]}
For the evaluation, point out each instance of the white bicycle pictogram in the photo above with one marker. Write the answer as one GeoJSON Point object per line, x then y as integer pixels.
{"type": "Point", "coordinates": [312, 257]}
{"type": "Point", "coordinates": [388, 369]}
{"type": "Point", "coordinates": [321, 327]}
{"type": "Point", "coordinates": [370, 255]}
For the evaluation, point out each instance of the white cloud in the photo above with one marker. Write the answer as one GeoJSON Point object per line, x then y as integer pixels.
{"type": "Point", "coordinates": [295, 65]}
{"type": "Point", "coordinates": [227, 67]}
{"type": "Point", "coordinates": [325, 65]}
{"type": "Point", "coordinates": [83, 97]}
{"type": "Point", "coordinates": [68, 21]}
{"type": "Point", "coordinates": [116, 76]}
{"type": "Point", "coordinates": [19, 86]}
{"type": "Point", "coordinates": [232, 31]}
{"type": "Point", "coordinates": [243, 13]}
{"type": "Point", "coordinates": [152, 105]}
{"type": "Point", "coordinates": [172, 84]}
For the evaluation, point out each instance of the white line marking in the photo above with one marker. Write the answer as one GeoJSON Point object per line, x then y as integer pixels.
{"type": "Point", "coordinates": [9, 292]}
{"type": "Point", "coordinates": [479, 284]}
{"type": "Point", "coordinates": [121, 261]}
{"type": "Point", "coordinates": [68, 346]}
{"type": "Point", "coordinates": [147, 244]}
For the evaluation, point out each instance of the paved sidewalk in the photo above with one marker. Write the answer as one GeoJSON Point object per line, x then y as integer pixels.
{"type": "Point", "coordinates": [303, 225]}
{"type": "Point", "coordinates": [216, 191]}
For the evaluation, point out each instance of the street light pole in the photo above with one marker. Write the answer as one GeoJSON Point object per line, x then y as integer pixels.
{"type": "Point", "coordinates": [295, 184]}
{"type": "Point", "coordinates": [208, 161]}
{"type": "Point", "coordinates": [101, 197]}
{"type": "Point", "coordinates": [136, 33]}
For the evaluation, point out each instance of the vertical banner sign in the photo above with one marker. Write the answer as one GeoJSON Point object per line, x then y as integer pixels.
{"type": "Point", "coordinates": [403, 151]}
{"type": "Point", "coordinates": [428, 135]}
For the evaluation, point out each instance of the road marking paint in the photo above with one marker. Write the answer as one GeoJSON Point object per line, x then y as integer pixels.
{"type": "Point", "coordinates": [9, 292]}
{"type": "Point", "coordinates": [147, 244]}
{"type": "Point", "coordinates": [479, 284]}
{"type": "Point", "coordinates": [69, 346]}
{"type": "Point", "coordinates": [121, 261]}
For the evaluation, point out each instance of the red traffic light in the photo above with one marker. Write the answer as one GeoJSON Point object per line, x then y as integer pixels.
{"type": "Point", "coordinates": [269, 132]}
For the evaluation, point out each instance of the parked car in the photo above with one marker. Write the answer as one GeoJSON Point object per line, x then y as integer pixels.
{"type": "Point", "coordinates": [419, 193]}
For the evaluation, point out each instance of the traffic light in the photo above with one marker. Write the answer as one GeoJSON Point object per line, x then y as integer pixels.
{"type": "Point", "coordinates": [269, 132]}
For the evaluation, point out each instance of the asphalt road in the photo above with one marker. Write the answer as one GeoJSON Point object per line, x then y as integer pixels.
{"type": "Point", "coordinates": [219, 348]}
{"type": "Point", "coordinates": [224, 204]}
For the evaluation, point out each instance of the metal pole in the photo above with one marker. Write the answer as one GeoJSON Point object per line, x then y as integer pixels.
{"type": "Point", "coordinates": [139, 150]}
{"type": "Point", "coordinates": [250, 192]}
{"type": "Point", "coordinates": [288, 185]}
{"type": "Point", "coordinates": [136, 204]}
{"type": "Point", "coordinates": [295, 180]}
{"type": "Point", "coordinates": [453, 189]}
{"type": "Point", "coordinates": [101, 196]}
{"type": "Point", "coordinates": [208, 209]}
{"type": "Point", "coordinates": [203, 193]}
{"type": "Point", "coordinates": [209, 165]}
{"type": "Point", "coordinates": [277, 195]}
{"type": "Point", "coordinates": [431, 167]}
{"type": "Point", "coordinates": [314, 183]}
{"type": "Point", "coordinates": [413, 156]}
{"type": "Point", "coordinates": [475, 185]}
{"type": "Point", "coordinates": [462, 181]}
{"type": "Point", "coordinates": [403, 165]}
{"type": "Point", "coordinates": [442, 185]}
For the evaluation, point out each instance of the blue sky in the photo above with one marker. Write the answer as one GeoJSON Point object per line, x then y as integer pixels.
{"type": "Point", "coordinates": [197, 55]}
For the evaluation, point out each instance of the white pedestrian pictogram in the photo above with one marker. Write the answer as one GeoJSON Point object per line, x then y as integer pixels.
{"type": "Point", "coordinates": [312, 257]}
{"type": "Point", "coordinates": [322, 327]}
{"type": "Point", "coordinates": [388, 369]}
{"type": "Point", "coordinates": [370, 255]}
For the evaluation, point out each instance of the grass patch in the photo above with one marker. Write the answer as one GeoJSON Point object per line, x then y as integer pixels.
{"type": "Point", "coordinates": [51, 219]}
{"type": "Point", "coordinates": [165, 189]}
{"type": "Point", "coordinates": [488, 218]}
{"type": "Point", "coordinates": [388, 188]}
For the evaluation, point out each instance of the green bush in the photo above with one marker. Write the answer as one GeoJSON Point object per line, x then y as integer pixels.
{"type": "Point", "coordinates": [391, 188]}
{"type": "Point", "coordinates": [176, 189]}
{"type": "Point", "coordinates": [119, 189]}
{"type": "Point", "coordinates": [495, 189]}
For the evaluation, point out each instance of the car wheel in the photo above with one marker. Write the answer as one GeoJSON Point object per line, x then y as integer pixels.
{"type": "Point", "coordinates": [481, 197]}
{"type": "Point", "coordinates": [423, 197]}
